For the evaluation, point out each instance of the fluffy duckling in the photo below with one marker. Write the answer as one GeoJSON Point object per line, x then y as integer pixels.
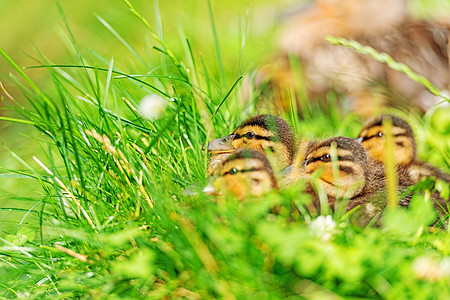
{"type": "Point", "coordinates": [263, 133]}
{"type": "Point", "coordinates": [372, 138]}
{"type": "Point", "coordinates": [245, 172]}
{"type": "Point", "coordinates": [359, 178]}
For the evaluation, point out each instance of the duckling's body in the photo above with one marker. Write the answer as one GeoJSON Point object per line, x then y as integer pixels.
{"type": "Point", "coordinates": [418, 169]}
{"type": "Point", "coordinates": [266, 134]}
{"type": "Point", "coordinates": [372, 138]}
{"type": "Point", "coordinates": [245, 172]}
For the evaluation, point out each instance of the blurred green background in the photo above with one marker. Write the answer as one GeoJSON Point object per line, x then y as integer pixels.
{"type": "Point", "coordinates": [28, 26]}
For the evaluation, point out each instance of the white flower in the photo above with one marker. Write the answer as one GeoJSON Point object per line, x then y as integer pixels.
{"type": "Point", "coordinates": [152, 106]}
{"type": "Point", "coordinates": [427, 268]}
{"type": "Point", "coordinates": [23, 295]}
{"type": "Point", "coordinates": [323, 227]}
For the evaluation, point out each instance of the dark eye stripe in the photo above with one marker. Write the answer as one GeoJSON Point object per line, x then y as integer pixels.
{"type": "Point", "coordinates": [258, 137]}
{"type": "Point", "coordinates": [234, 171]}
{"type": "Point", "coordinates": [340, 158]}
{"type": "Point", "coordinates": [249, 135]}
{"type": "Point", "coordinates": [366, 138]}
{"type": "Point", "coordinates": [376, 135]}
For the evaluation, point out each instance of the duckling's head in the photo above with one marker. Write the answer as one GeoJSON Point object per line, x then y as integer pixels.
{"type": "Point", "coordinates": [246, 172]}
{"type": "Point", "coordinates": [372, 138]}
{"type": "Point", "coordinates": [263, 133]}
{"type": "Point", "coordinates": [352, 166]}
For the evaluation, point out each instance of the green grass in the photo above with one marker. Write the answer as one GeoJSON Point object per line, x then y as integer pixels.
{"type": "Point", "coordinates": [110, 220]}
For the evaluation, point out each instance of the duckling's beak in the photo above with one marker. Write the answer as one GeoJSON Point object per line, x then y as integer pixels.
{"type": "Point", "coordinates": [359, 140]}
{"type": "Point", "coordinates": [221, 145]}
{"type": "Point", "coordinates": [286, 171]}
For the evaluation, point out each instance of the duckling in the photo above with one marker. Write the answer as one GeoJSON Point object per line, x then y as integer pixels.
{"type": "Point", "coordinates": [356, 172]}
{"type": "Point", "coordinates": [263, 133]}
{"type": "Point", "coordinates": [372, 138]}
{"type": "Point", "coordinates": [359, 178]}
{"type": "Point", "coordinates": [245, 172]}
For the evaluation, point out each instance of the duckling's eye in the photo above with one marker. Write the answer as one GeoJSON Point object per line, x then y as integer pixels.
{"type": "Point", "coordinates": [325, 158]}
{"type": "Point", "coordinates": [379, 134]}
{"type": "Point", "coordinates": [249, 135]}
{"type": "Point", "coordinates": [232, 171]}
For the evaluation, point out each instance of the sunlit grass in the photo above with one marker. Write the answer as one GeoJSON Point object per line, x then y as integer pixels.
{"type": "Point", "coordinates": [111, 220]}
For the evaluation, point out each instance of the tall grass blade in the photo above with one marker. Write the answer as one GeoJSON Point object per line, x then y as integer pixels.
{"type": "Point", "coordinates": [391, 170]}
{"type": "Point", "coordinates": [216, 43]}
{"type": "Point", "coordinates": [385, 58]}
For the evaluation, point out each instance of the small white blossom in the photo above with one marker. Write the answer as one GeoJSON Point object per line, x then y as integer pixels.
{"type": "Point", "coordinates": [90, 274]}
{"type": "Point", "coordinates": [323, 227]}
{"type": "Point", "coordinates": [427, 268]}
{"type": "Point", "coordinates": [23, 295]}
{"type": "Point", "coordinates": [152, 106]}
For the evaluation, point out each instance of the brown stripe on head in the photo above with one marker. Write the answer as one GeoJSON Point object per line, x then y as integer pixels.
{"type": "Point", "coordinates": [277, 126]}
{"type": "Point", "coordinates": [354, 150]}
{"type": "Point", "coordinates": [246, 161]}
{"type": "Point", "coordinates": [266, 132]}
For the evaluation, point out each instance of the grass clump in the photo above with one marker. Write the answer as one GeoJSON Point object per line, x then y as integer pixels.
{"type": "Point", "coordinates": [112, 221]}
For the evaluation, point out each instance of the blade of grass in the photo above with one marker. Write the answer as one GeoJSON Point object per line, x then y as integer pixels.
{"type": "Point", "coordinates": [16, 120]}
{"type": "Point", "coordinates": [121, 39]}
{"type": "Point", "coordinates": [105, 70]}
{"type": "Point", "coordinates": [216, 43]}
{"type": "Point", "coordinates": [391, 171]}
{"type": "Point", "coordinates": [385, 58]}
{"type": "Point", "coordinates": [226, 96]}
{"type": "Point", "coordinates": [75, 46]}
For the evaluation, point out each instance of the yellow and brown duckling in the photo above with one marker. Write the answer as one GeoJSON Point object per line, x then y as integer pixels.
{"type": "Point", "coordinates": [372, 138]}
{"type": "Point", "coordinates": [358, 178]}
{"type": "Point", "coordinates": [266, 134]}
{"type": "Point", "coordinates": [245, 172]}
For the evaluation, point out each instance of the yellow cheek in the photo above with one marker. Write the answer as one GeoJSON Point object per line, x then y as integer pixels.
{"type": "Point", "coordinates": [311, 167]}
{"type": "Point", "coordinates": [238, 190]}
{"type": "Point", "coordinates": [375, 148]}
{"type": "Point", "coordinates": [238, 144]}
{"type": "Point", "coordinates": [327, 175]}
{"type": "Point", "coordinates": [327, 172]}
{"type": "Point", "coordinates": [404, 155]}
{"type": "Point", "coordinates": [233, 184]}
